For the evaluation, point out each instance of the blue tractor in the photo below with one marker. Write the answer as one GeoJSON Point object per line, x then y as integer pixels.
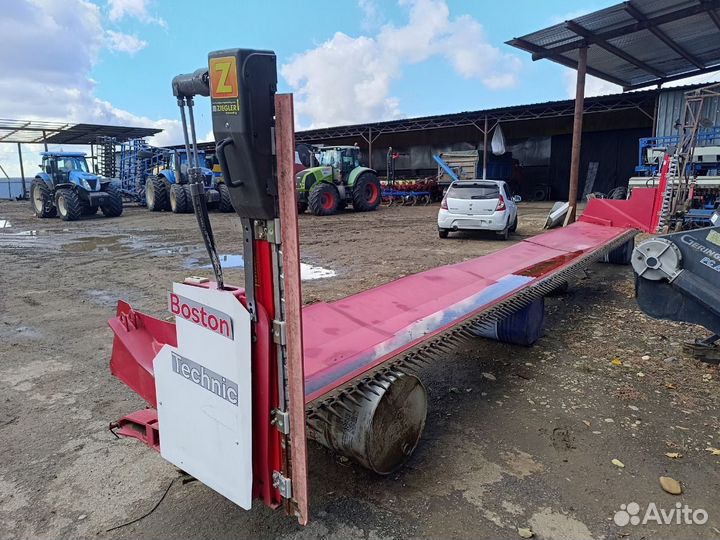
{"type": "Point", "coordinates": [169, 188]}
{"type": "Point", "coordinates": [68, 188]}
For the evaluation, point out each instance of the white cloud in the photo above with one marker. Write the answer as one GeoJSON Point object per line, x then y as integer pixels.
{"type": "Point", "coordinates": [54, 46]}
{"type": "Point", "coordinates": [126, 43]}
{"type": "Point", "coordinates": [138, 9]}
{"type": "Point", "coordinates": [599, 87]}
{"type": "Point", "coordinates": [372, 16]}
{"type": "Point", "coordinates": [348, 79]}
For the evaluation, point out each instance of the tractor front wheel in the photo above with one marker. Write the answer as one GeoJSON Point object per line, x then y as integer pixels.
{"type": "Point", "coordinates": [42, 199]}
{"type": "Point", "coordinates": [156, 194]}
{"type": "Point", "coordinates": [225, 204]}
{"type": "Point", "coordinates": [112, 205]}
{"type": "Point", "coordinates": [68, 205]}
{"type": "Point", "coordinates": [324, 199]}
{"type": "Point", "coordinates": [366, 193]}
{"type": "Point", "coordinates": [178, 199]}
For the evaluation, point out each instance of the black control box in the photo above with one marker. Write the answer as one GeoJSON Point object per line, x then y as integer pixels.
{"type": "Point", "coordinates": [243, 83]}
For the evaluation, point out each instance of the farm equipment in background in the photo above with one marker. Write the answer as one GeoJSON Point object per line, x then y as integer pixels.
{"type": "Point", "coordinates": [410, 192]}
{"type": "Point", "coordinates": [135, 162]}
{"type": "Point", "coordinates": [339, 180]}
{"type": "Point", "coordinates": [67, 187]}
{"type": "Point", "coordinates": [685, 166]}
{"type": "Point", "coordinates": [169, 187]}
{"type": "Point", "coordinates": [244, 377]}
{"type": "Point", "coordinates": [406, 192]}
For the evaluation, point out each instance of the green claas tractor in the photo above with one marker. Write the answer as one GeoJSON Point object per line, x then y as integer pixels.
{"type": "Point", "coordinates": [339, 180]}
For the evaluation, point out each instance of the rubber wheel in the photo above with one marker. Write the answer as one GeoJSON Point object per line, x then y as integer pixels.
{"type": "Point", "coordinates": [156, 194]}
{"type": "Point", "coordinates": [112, 206]}
{"type": "Point", "coordinates": [443, 233]}
{"type": "Point", "coordinates": [504, 234]}
{"type": "Point", "coordinates": [178, 199]}
{"type": "Point", "coordinates": [514, 225]}
{"type": "Point", "coordinates": [68, 205]}
{"type": "Point", "coordinates": [41, 199]}
{"type": "Point", "coordinates": [302, 206]}
{"type": "Point", "coordinates": [225, 204]}
{"type": "Point", "coordinates": [323, 199]}
{"type": "Point", "coordinates": [366, 194]}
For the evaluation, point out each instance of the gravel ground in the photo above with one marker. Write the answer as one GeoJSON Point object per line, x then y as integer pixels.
{"type": "Point", "coordinates": [515, 438]}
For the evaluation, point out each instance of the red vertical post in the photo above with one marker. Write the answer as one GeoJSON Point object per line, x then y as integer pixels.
{"type": "Point", "coordinates": [285, 148]}
{"type": "Point", "coordinates": [577, 135]}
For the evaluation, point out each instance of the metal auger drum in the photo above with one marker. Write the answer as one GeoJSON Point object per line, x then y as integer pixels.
{"type": "Point", "coordinates": [380, 428]}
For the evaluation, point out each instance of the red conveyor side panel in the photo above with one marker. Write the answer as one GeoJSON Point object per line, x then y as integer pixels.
{"type": "Point", "coordinates": [346, 338]}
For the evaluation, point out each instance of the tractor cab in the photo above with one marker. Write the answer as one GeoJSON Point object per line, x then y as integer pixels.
{"type": "Point", "coordinates": [63, 167]}
{"type": "Point", "coordinates": [343, 159]}
{"type": "Point", "coordinates": [178, 163]}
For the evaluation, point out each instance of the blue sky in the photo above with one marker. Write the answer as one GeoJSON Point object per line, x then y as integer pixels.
{"type": "Point", "coordinates": [346, 61]}
{"type": "Point", "coordinates": [140, 83]}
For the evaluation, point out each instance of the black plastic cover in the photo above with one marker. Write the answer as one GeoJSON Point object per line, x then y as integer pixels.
{"type": "Point", "coordinates": [243, 83]}
{"type": "Point", "coordinates": [692, 297]}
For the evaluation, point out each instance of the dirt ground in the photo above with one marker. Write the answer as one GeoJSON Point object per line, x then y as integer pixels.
{"type": "Point", "coordinates": [515, 437]}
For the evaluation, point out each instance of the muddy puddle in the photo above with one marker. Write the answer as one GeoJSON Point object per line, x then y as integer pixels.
{"type": "Point", "coordinates": [308, 272]}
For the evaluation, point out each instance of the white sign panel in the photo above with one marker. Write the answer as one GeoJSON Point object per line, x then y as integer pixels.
{"type": "Point", "coordinates": [204, 392]}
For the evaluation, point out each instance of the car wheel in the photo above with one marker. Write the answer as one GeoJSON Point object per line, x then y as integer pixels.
{"type": "Point", "coordinates": [514, 225]}
{"type": "Point", "coordinates": [505, 233]}
{"type": "Point", "coordinates": [443, 233]}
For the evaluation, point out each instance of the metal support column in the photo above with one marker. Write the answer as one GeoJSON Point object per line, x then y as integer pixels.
{"type": "Point", "coordinates": [577, 135]}
{"type": "Point", "coordinates": [485, 148]}
{"type": "Point", "coordinates": [22, 171]}
{"type": "Point", "coordinates": [370, 140]}
{"type": "Point", "coordinates": [45, 140]}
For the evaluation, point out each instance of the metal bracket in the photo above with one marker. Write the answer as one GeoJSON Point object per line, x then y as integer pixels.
{"type": "Point", "coordinates": [260, 229]}
{"type": "Point", "coordinates": [281, 420]}
{"type": "Point", "coordinates": [268, 230]}
{"type": "Point", "coordinates": [279, 334]}
{"type": "Point", "coordinates": [282, 484]}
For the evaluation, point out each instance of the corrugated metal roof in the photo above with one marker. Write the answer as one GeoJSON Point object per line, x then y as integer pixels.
{"type": "Point", "coordinates": [38, 131]}
{"type": "Point", "coordinates": [637, 43]}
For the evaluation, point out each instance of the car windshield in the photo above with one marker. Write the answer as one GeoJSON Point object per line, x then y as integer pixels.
{"type": "Point", "coordinates": [473, 191]}
{"type": "Point", "coordinates": [74, 163]}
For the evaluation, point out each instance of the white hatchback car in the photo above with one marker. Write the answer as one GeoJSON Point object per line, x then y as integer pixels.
{"type": "Point", "coordinates": [478, 205]}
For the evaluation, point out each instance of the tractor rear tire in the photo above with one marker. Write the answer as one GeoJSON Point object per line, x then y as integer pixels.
{"type": "Point", "coordinates": [178, 199]}
{"type": "Point", "coordinates": [112, 206]}
{"type": "Point", "coordinates": [367, 194]}
{"type": "Point", "coordinates": [324, 199]}
{"type": "Point", "coordinates": [41, 199]}
{"type": "Point", "coordinates": [68, 205]}
{"type": "Point", "coordinates": [156, 194]}
{"type": "Point", "coordinates": [225, 205]}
